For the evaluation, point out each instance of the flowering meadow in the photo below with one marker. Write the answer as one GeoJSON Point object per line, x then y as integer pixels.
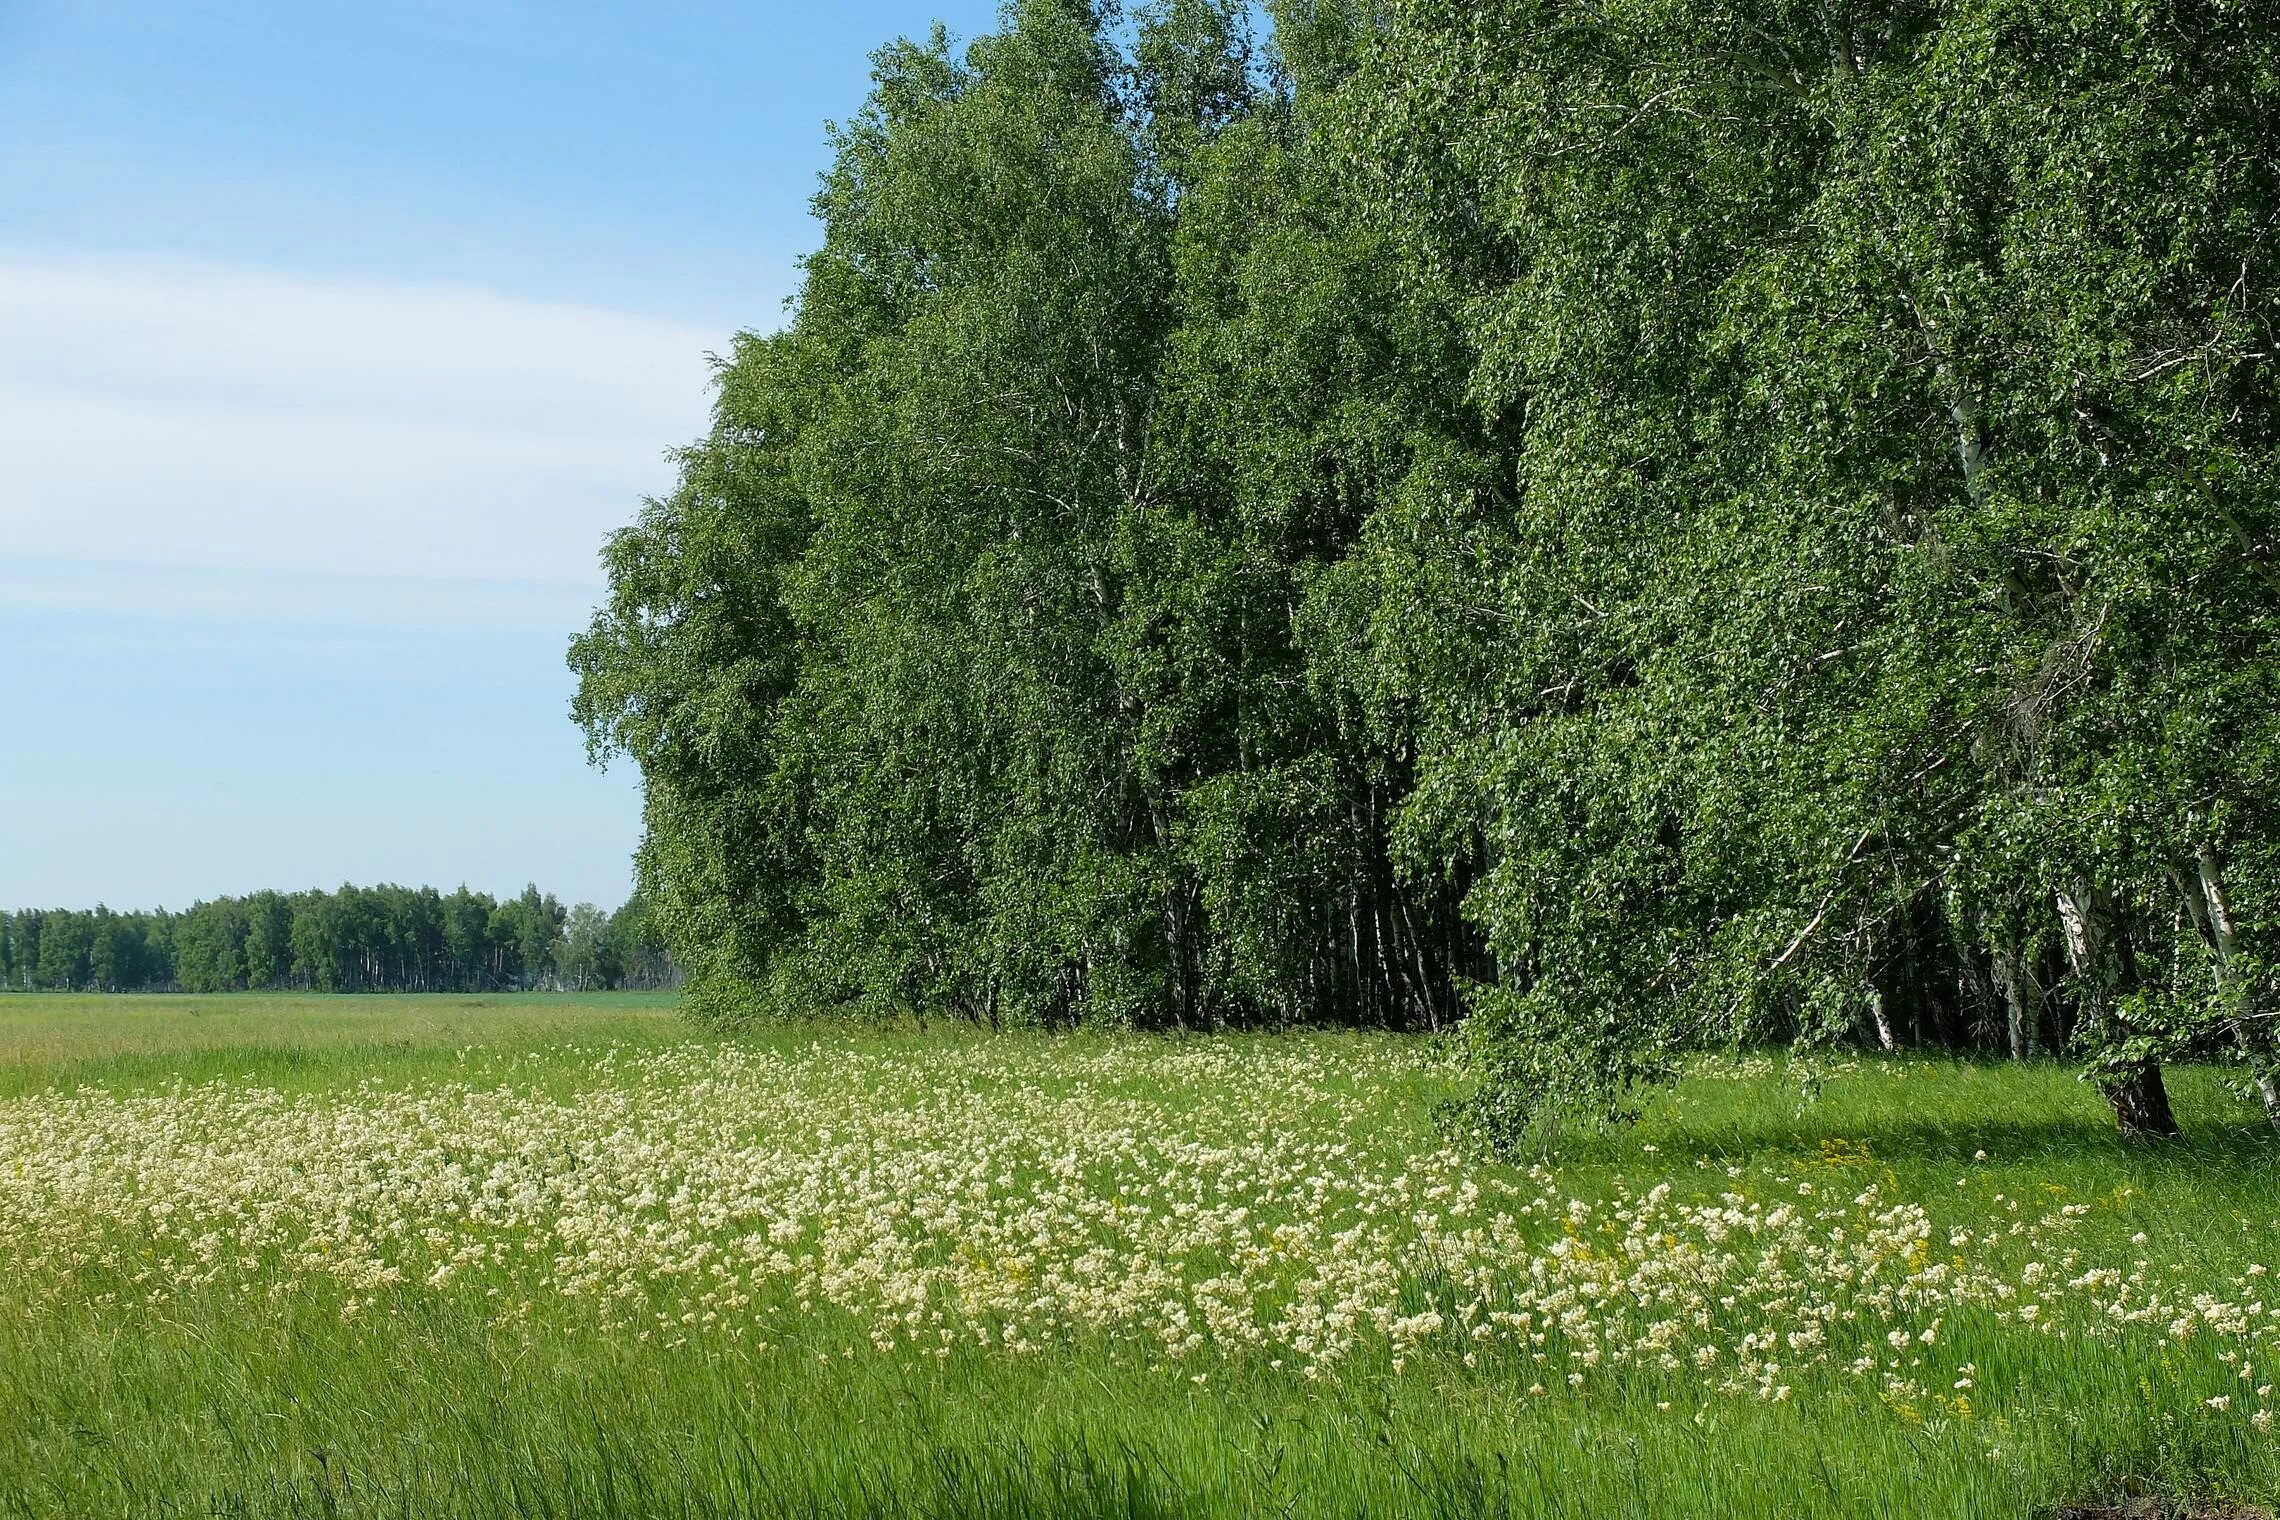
{"type": "Point", "coordinates": [673, 1274]}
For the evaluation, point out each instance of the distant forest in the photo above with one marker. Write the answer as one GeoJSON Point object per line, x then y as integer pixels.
{"type": "Point", "coordinates": [356, 939]}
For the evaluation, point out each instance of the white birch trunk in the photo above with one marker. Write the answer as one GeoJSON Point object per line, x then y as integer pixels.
{"type": "Point", "coordinates": [2022, 1002]}
{"type": "Point", "coordinates": [2212, 914]}
{"type": "Point", "coordinates": [1884, 1036]}
{"type": "Point", "coordinates": [2137, 1093]}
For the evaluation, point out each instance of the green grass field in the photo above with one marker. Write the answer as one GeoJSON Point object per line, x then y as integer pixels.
{"type": "Point", "coordinates": [537, 1256]}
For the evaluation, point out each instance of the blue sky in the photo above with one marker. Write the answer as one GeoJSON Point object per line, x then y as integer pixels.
{"type": "Point", "coordinates": [333, 341]}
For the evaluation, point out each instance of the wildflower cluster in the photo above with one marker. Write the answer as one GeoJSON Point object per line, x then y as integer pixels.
{"type": "Point", "coordinates": [1192, 1204]}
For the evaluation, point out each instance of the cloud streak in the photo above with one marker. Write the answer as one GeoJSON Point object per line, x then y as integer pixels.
{"type": "Point", "coordinates": [245, 421]}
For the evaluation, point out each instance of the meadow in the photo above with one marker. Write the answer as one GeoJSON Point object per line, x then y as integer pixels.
{"type": "Point", "coordinates": [534, 1256]}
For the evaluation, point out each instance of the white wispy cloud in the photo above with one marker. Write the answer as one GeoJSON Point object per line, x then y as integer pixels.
{"type": "Point", "coordinates": [54, 602]}
{"type": "Point", "coordinates": [411, 445]}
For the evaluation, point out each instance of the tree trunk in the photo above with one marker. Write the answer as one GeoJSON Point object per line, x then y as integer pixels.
{"type": "Point", "coordinates": [1877, 1011]}
{"type": "Point", "coordinates": [2141, 1103]}
{"type": "Point", "coordinates": [1354, 935]}
{"type": "Point", "coordinates": [2022, 1002]}
{"type": "Point", "coordinates": [1426, 1002]}
{"type": "Point", "coordinates": [2105, 966]}
{"type": "Point", "coordinates": [2203, 887]}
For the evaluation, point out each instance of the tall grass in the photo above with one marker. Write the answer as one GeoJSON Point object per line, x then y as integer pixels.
{"type": "Point", "coordinates": [254, 1388]}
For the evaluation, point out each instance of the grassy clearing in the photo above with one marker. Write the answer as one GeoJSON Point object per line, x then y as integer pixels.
{"type": "Point", "coordinates": [302, 1040]}
{"type": "Point", "coordinates": [561, 1257]}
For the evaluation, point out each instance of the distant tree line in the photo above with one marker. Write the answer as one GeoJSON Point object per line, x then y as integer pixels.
{"type": "Point", "coordinates": [1625, 524]}
{"type": "Point", "coordinates": [356, 939]}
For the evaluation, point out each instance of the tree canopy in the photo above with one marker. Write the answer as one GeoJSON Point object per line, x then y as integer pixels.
{"type": "Point", "coordinates": [355, 939]}
{"type": "Point", "coordinates": [1621, 525]}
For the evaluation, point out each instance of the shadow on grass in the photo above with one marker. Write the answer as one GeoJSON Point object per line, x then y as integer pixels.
{"type": "Point", "coordinates": [1822, 1132]}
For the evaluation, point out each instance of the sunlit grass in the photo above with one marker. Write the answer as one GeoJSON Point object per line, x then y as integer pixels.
{"type": "Point", "coordinates": [293, 1040]}
{"type": "Point", "coordinates": [565, 1257]}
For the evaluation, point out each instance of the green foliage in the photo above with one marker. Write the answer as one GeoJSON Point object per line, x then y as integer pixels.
{"type": "Point", "coordinates": [1879, 555]}
{"type": "Point", "coordinates": [1644, 525]}
{"type": "Point", "coordinates": [358, 939]}
{"type": "Point", "coordinates": [963, 668]}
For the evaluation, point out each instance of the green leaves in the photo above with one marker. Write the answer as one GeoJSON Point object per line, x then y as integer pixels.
{"type": "Point", "coordinates": [1657, 523]}
{"type": "Point", "coordinates": [1850, 544]}
{"type": "Point", "coordinates": [964, 668]}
